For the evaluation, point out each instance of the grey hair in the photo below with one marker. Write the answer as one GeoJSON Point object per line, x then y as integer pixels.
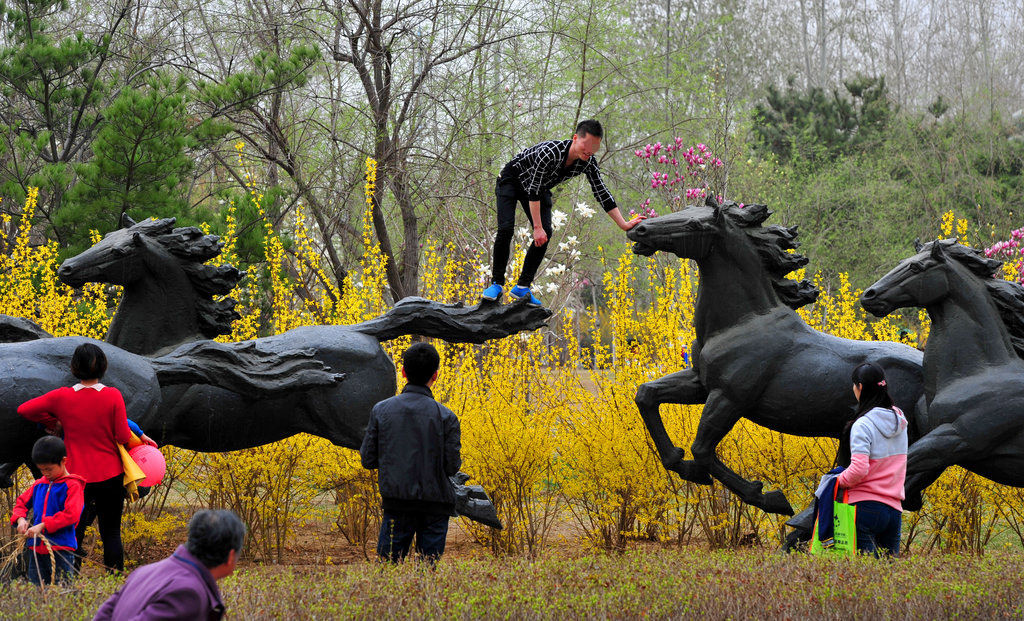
{"type": "Point", "coordinates": [213, 534]}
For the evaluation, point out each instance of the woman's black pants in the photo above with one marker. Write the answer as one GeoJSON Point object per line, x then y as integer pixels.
{"type": "Point", "coordinates": [104, 501]}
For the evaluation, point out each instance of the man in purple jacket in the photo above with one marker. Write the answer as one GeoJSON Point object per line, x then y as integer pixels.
{"type": "Point", "coordinates": [183, 586]}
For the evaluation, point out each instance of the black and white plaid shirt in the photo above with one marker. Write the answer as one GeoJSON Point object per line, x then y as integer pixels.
{"type": "Point", "coordinates": [542, 167]}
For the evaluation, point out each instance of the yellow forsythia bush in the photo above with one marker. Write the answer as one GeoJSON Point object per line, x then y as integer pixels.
{"type": "Point", "coordinates": [549, 425]}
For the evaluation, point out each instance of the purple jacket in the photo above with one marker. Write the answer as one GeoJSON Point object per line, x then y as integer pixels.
{"type": "Point", "coordinates": [178, 587]}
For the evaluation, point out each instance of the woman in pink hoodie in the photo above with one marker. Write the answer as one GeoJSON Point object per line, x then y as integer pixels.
{"type": "Point", "coordinates": [878, 463]}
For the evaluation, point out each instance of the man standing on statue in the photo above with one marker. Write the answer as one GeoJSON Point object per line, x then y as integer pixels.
{"type": "Point", "coordinates": [527, 180]}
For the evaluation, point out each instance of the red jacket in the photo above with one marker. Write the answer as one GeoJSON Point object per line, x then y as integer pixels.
{"type": "Point", "coordinates": [94, 422]}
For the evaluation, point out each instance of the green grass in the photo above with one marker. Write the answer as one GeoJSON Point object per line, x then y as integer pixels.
{"type": "Point", "coordinates": [643, 583]}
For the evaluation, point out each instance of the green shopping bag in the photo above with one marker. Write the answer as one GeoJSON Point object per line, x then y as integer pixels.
{"type": "Point", "coordinates": [844, 529]}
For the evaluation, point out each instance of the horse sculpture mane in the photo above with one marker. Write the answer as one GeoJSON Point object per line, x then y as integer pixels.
{"type": "Point", "coordinates": [1007, 296]}
{"type": "Point", "coordinates": [774, 245]}
{"type": "Point", "coordinates": [193, 248]}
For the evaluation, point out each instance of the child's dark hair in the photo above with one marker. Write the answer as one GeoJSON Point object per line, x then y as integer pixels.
{"type": "Point", "coordinates": [88, 362]}
{"type": "Point", "coordinates": [590, 127]}
{"type": "Point", "coordinates": [874, 393]}
{"type": "Point", "coordinates": [420, 362]}
{"type": "Point", "coordinates": [48, 450]}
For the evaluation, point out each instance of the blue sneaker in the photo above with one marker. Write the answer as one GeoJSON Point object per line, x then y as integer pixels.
{"type": "Point", "coordinates": [521, 292]}
{"type": "Point", "coordinates": [493, 292]}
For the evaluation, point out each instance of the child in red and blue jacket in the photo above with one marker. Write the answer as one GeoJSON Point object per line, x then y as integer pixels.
{"type": "Point", "coordinates": [55, 501]}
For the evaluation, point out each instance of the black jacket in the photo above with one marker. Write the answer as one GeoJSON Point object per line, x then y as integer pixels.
{"type": "Point", "coordinates": [416, 444]}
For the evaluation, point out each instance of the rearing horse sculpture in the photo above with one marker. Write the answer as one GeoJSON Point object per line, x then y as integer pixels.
{"type": "Point", "coordinates": [164, 280]}
{"type": "Point", "coordinates": [754, 357]}
{"type": "Point", "coordinates": [974, 375]}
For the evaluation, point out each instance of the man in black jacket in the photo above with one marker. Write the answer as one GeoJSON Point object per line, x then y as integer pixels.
{"type": "Point", "coordinates": [415, 444]}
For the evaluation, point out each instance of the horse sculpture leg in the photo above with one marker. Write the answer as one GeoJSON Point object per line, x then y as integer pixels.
{"type": "Point", "coordinates": [7, 473]}
{"type": "Point", "coordinates": [929, 457]}
{"type": "Point", "coordinates": [8, 469]}
{"type": "Point", "coordinates": [682, 387]}
{"type": "Point", "coordinates": [720, 415]}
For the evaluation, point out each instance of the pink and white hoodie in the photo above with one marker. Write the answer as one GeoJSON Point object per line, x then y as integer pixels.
{"type": "Point", "coordinates": [878, 462]}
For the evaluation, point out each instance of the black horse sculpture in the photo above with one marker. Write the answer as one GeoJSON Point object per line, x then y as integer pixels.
{"type": "Point", "coordinates": [168, 300]}
{"type": "Point", "coordinates": [974, 375]}
{"type": "Point", "coordinates": [754, 356]}
{"type": "Point", "coordinates": [165, 283]}
{"type": "Point", "coordinates": [40, 363]}
{"type": "Point", "coordinates": [154, 258]}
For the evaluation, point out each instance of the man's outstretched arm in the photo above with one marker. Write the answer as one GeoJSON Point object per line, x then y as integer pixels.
{"type": "Point", "coordinates": [624, 224]}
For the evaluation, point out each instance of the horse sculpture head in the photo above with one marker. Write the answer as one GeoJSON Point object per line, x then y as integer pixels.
{"type": "Point", "coordinates": [924, 278]}
{"type": "Point", "coordinates": [117, 258]}
{"type": "Point", "coordinates": [930, 276]}
{"type": "Point", "coordinates": [702, 232]}
{"type": "Point", "coordinates": [157, 263]}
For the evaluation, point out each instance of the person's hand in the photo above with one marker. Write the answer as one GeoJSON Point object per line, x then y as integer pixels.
{"type": "Point", "coordinates": [35, 531]}
{"type": "Point", "coordinates": [631, 223]}
{"type": "Point", "coordinates": [539, 236]}
{"type": "Point", "coordinates": [148, 440]}
{"type": "Point", "coordinates": [56, 430]}
{"type": "Point", "coordinates": [22, 526]}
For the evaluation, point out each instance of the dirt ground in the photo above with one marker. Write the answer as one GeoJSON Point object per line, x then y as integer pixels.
{"type": "Point", "coordinates": [317, 544]}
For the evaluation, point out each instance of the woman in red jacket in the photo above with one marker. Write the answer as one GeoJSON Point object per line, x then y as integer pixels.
{"type": "Point", "coordinates": [92, 417]}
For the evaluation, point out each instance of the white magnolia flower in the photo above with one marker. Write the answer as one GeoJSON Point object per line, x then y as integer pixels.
{"type": "Point", "coordinates": [574, 254]}
{"type": "Point", "coordinates": [551, 287]}
{"type": "Point", "coordinates": [583, 210]}
{"type": "Point", "coordinates": [563, 246]}
{"type": "Point", "coordinates": [522, 232]}
{"type": "Point", "coordinates": [558, 218]}
{"type": "Point", "coordinates": [484, 270]}
{"type": "Point", "coordinates": [571, 240]}
{"type": "Point", "coordinates": [554, 270]}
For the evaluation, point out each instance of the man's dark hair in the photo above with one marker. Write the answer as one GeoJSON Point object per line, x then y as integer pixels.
{"type": "Point", "coordinates": [48, 450]}
{"type": "Point", "coordinates": [590, 127]}
{"type": "Point", "coordinates": [213, 534]}
{"type": "Point", "coordinates": [88, 362]}
{"type": "Point", "coordinates": [420, 362]}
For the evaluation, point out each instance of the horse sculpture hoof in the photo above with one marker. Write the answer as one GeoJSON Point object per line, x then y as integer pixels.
{"type": "Point", "coordinates": [691, 471]}
{"type": "Point", "coordinates": [775, 502]}
{"type": "Point", "coordinates": [673, 458]}
{"type": "Point", "coordinates": [913, 502]}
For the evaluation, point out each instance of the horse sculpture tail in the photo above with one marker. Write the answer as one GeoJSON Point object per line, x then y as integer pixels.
{"type": "Point", "coordinates": [454, 323]}
{"type": "Point", "coordinates": [243, 368]}
{"type": "Point", "coordinates": [19, 330]}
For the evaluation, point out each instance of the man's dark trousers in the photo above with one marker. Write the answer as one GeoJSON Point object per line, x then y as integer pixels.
{"type": "Point", "coordinates": [397, 530]}
{"type": "Point", "coordinates": [509, 194]}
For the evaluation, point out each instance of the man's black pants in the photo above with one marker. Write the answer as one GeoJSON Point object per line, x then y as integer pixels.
{"type": "Point", "coordinates": [509, 192]}
{"type": "Point", "coordinates": [397, 530]}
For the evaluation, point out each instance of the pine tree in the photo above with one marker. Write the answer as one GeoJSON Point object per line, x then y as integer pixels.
{"type": "Point", "coordinates": [139, 158]}
{"type": "Point", "coordinates": [52, 91]}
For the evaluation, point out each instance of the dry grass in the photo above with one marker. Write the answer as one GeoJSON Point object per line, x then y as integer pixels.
{"type": "Point", "coordinates": [642, 583]}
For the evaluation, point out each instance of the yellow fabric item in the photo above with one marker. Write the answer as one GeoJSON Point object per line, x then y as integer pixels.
{"type": "Point", "coordinates": [132, 473]}
{"type": "Point", "coordinates": [135, 441]}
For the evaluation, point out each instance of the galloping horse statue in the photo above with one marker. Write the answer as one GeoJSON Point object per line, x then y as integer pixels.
{"type": "Point", "coordinates": [37, 363]}
{"type": "Point", "coordinates": [754, 357]}
{"type": "Point", "coordinates": [168, 301]}
{"type": "Point", "coordinates": [974, 375]}
{"type": "Point", "coordinates": [155, 259]}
